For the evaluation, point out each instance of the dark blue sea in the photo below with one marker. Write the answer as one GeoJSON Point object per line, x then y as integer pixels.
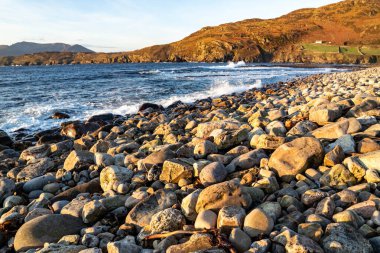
{"type": "Point", "coordinates": [30, 95]}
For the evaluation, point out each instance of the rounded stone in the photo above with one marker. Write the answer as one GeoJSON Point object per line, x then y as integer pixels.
{"type": "Point", "coordinates": [47, 228]}
{"type": "Point", "coordinates": [206, 220]}
{"type": "Point", "coordinates": [213, 173]}
{"type": "Point", "coordinates": [257, 222]}
{"type": "Point", "coordinates": [113, 175]}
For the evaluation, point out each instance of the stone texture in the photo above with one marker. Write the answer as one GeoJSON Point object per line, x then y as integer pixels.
{"type": "Point", "coordinates": [257, 222]}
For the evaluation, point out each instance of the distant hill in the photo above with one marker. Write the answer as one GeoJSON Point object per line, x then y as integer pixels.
{"type": "Point", "coordinates": [343, 32]}
{"type": "Point", "coordinates": [22, 48]}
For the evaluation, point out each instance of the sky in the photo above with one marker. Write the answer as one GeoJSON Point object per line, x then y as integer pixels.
{"type": "Point", "coordinates": [123, 25]}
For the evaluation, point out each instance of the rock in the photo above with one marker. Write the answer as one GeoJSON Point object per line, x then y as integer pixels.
{"type": "Point", "coordinates": [77, 129]}
{"type": "Point", "coordinates": [90, 240]}
{"type": "Point", "coordinates": [37, 168]}
{"type": "Point", "coordinates": [312, 196]}
{"type": "Point", "coordinates": [240, 240]}
{"type": "Point", "coordinates": [103, 159]}
{"type": "Point", "coordinates": [368, 107]}
{"type": "Point", "coordinates": [142, 213]}
{"type": "Point", "coordinates": [35, 152]}
{"type": "Point", "coordinates": [342, 238]}
{"type": "Point", "coordinates": [101, 117]}
{"type": "Point", "coordinates": [368, 160]}
{"type": "Point", "coordinates": [90, 187]}
{"type": "Point", "coordinates": [228, 193]}
{"type": "Point", "coordinates": [123, 246]}
{"type": "Point", "coordinates": [376, 218]}
{"type": "Point", "coordinates": [62, 147]}
{"type": "Point", "coordinates": [334, 156]}
{"type": "Point", "coordinates": [345, 198]}
{"type": "Point", "coordinates": [60, 115]}
{"type": "Point", "coordinates": [206, 219]}
{"type": "Point", "coordinates": [228, 139]}
{"type": "Point", "coordinates": [364, 209]}
{"type": "Point", "coordinates": [37, 212]}
{"type": "Point", "coordinates": [257, 222]}
{"type": "Point", "coordinates": [204, 148]}
{"type": "Point", "coordinates": [268, 142]}
{"type": "Point", "coordinates": [153, 107]}
{"type": "Point", "coordinates": [197, 242]}
{"type": "Point", "coordinates": [346, 142]}
{"type": "Point", "coordinates": [213, 173]}
{"type": "Point", "coordinates": [247, 160]}
{"type": "Point", "coordinates": [75, 207]}
{"type": "Point", "coordinates": [113, 176]}
{"type": "Point", "coordinates": [338, 177]}
{"type": "Point", "coordinates": [273, 209]}
{"type": "Point", "coordinates": [5, 139]}
{"type": "Point", "coordinates": [337, 129]}
{"type": "Point", "coordinates": [312, 230]}
{"type": "Point", "coordinates": [176, 169]}
{"type": "Point", "coordinates": [276, 128]}
{"type": "Point", "coordinates": [307, 150]}
{"type": "Point", "coordinates": [302, 128]}
{"type": "Point", "coordinates": [38, 231]}
{"type": "Point", "coordinates": [349, 217]}
{"type": "Point", "coordinates": [7, 187]}
{"type": "Point", "coordinates": [372, 176]}
{"type": "Point", "coordinates": [204, 129]}
{"type": "Point", "coordinates": [78, 159]}
{"type": "Point", "coordinates": [12, 200]}
{"type": "Point", "coordinates": [375, 242]}
{"type": "Point", "coordinates": [189, 203]}
{"type": "Point", "coordinates": [230, 217]}
{"type": "Point", "coordinates": [323, 113]}
{"type": "Point", "coordinates": [261, 246]}
{"type": "Point", "coordinates": [93, 211]}
{"type": "Point", "coordinates": [294, 242]}
{"type": "Point", "coordinates": [325, 207]}
{"type": "Point", "coordinates": [368, 145]}
{"type": "Point", "coordinates": [167, 220]}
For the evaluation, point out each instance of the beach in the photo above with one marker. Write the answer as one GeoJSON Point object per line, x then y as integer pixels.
{"type": "Point", "coordinates": [291, 166]}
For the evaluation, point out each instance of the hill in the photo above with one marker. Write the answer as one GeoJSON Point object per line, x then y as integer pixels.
{"type": "Point", "coordinates": [22, 48]}
{"type": "Point", "coordinates": [346, 32]}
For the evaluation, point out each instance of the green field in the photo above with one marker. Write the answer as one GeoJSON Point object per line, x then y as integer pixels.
{"type": "Point", "coordinates": [321, 48]}
{"type": "Point", "coordinates": [349, 50]}
{"type": "Point", "coordinates": [370, 50]}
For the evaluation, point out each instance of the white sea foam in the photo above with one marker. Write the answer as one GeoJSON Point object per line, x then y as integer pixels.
{"type": "Point", "coordinates": [236, 65]}
{"type": "Point", "coordinates": [150, 72]}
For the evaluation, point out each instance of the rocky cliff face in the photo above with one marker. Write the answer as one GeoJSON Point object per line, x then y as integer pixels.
{"type": "Point", "coordinates": [350, 22]}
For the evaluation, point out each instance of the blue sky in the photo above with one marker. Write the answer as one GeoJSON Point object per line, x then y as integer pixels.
{"type": "Point", "coordinates": [120, 25]}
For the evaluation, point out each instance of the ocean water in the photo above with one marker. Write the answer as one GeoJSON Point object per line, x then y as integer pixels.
{"type": "Point", "coordinates": [30, 95]}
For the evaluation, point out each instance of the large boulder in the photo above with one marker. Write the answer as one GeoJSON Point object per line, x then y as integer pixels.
{"type": "Point", "coordinates": [337, 129]}
{"type": "Point", "coordinates": [142, 213]}
{"type": "Point", "coordinates": [296, 156]}
{"type": "Point", "coordinates": [368, 107]}
{"type": "Point", "coordinates": [112, 176]}
{"type": "Point", "coordinates": [217, 196]}
{"type": "Point", "coordinates": [47, 228]}
{"type": "Point", "coordinates": [343, 238]}
{"type": "Point", "coordinates": [369, 160]}
{"type": "Point", "coordinates": [227, 139]}
{"type": "Point", "coordinates": [323, 113]}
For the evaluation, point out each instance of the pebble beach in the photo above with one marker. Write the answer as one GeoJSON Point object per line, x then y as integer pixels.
{"type": "Point", "coordinates": [291, 167]}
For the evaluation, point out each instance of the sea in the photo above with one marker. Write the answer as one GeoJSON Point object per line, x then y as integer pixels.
{"type": "Point", "coordinates": [30, 95]}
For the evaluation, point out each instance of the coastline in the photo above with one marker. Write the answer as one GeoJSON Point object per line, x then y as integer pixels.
{"type": "Point", "coordinates": [287, 153]}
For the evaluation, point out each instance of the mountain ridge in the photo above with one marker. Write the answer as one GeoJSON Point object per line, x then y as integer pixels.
{"type": "Point", "coordinates": [24, 47]}
{"type": "Point", "coordinates": [348, 32]}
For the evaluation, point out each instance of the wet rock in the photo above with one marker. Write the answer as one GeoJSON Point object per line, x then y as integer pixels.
{"type": "Point", "coordinates": [142, 213]}
{"type": "Point", "coordinates": [60, 115]}
{"type": "Point", "coordinates": [342, 238]}
{"type": "Point", "coordinates": [5, 139]}
{"type": "Point", "coordinates": [167, 220]}
{"type": "Point", "coordinates": [153, 107]}
{"type": "Point", "coordinates": [38, 231]}
{"type": "Point", "coordinates": [228, 193]}
{"type": "Point", "coordinates": [101, 117]}
{"type": "Point", "coordinates": [309, 153]}
{"type": "Point", "coordinates": [257, 222]}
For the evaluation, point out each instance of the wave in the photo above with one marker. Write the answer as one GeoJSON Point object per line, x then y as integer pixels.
{"type": "Point", "coordinates": [149, 72]}
{"type": "Point", "coordinates": [236, 65]}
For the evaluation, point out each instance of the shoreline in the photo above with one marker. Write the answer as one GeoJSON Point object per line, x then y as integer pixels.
{"type": "Point", "coordinates": [294, 164]}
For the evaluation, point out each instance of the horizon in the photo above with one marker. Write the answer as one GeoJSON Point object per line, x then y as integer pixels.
{"type": "Point", "coordinates": [106, 26]}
